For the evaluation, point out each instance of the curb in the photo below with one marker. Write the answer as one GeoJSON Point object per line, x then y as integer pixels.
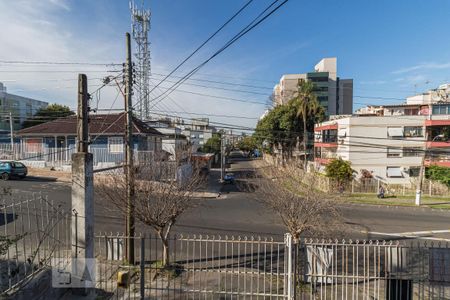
{"type": "Point", "coordinates": [413, 208]}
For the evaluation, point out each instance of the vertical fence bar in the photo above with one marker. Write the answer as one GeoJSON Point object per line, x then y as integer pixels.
{"type": "Point", "coordinates": [142, 265]}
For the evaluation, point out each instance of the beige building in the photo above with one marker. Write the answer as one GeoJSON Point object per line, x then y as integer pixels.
{"type": "Point", "coordinates": [389, 143]}
{"type": "Point", "coordinates": [333, 93]}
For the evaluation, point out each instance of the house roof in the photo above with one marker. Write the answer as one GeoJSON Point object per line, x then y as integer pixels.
{"type": "Point", "coordinates": [99, 124]}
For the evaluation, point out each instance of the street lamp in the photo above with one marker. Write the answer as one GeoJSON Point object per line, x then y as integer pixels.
{"type": "Point", "coordinates": [422, 170]}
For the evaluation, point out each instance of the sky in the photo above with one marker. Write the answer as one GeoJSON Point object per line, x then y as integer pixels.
{"type": "Point", "coordinates": [392, 49]}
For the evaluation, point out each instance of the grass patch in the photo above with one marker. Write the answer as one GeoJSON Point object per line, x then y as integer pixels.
{"type": "Point", "coordinates": [427, 201]}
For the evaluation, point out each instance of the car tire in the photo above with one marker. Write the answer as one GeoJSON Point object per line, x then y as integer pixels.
{"type": "Point", "coordinates": [5, 176]}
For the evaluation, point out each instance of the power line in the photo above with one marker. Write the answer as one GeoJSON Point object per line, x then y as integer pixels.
{"type": "Point", "coordinates": [203, 44]}
{"type": "Point", "coordinates": [24, 62]}
{"type": "Point", "coordinates": [255, 22]}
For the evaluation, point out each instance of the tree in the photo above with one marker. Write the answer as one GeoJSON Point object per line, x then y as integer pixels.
{"type": "Point", "coordinates": [339, 170]}
{"type": "Point", "coordinates": [212, 145]}
{"type": "Point", "coordinates": [307, 106]}
{"type": "Point", "coordinates": [441, 174]}
{"type": "Point", "coordinates": [302, 207]}
{"type": "Point", "coordinates": [159, 199]}
{"type": "Point", "coordinates": [247, 143]}
{"type": "Point", "coordinates": [47, 114]}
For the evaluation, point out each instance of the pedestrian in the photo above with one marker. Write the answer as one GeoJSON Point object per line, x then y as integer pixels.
{"type": "Point", "coordinates": [381, 192]}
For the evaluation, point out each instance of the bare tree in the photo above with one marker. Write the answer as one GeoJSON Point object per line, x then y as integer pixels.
{"type": "Point", "coordinates": [162, 194]}
{"type": "Point", "coordinates": [296, 198]}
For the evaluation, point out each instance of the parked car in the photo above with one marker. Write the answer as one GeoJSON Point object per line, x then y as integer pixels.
{"type": "Point", "coordinates": [9, 169]}
{"type": "Point", "coordinates": [228, 178]}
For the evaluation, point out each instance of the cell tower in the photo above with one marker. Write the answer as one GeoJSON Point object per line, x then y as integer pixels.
{"type": "Point", "coordinates": [140, 23]}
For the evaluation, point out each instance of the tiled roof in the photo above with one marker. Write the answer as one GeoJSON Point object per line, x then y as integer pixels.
{"type": "Point", "coordinates": [99, 124]}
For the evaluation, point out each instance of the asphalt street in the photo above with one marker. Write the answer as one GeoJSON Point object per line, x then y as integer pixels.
{"type": "Point", "coordinates": [237, 212]}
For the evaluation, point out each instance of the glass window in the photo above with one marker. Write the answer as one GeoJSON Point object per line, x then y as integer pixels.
{"type": "Point", "coordinates": [414, 171]}
{"type": "Point", "coordinates": [413, 131]}
{"type": "Point", "coordinates": [395, 132]}
{"type": "Point", "coordinates": [19, 165]}
{"type": "Point", "coordinates": [394, 152]}
{"type": "Point", "coordinates": [394, 172]}
{"type": "Point", "coordinates": [115, 144]}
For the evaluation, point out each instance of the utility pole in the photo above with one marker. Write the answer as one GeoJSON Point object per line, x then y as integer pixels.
{"type": "Point", "coordinates": [129, 168]}
{"type": "Point", "coordinates": [11, 133]}
{"type": "Point", "coordinates": [82, 222]}
{"type": "Point", "coordinates": [222, 152]}
{"type": "Point", "coordinates": [422, 164]}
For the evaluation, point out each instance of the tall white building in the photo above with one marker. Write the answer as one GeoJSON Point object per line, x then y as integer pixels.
{"type": "Point", "coordinates": [20, 107]}
{"type": "Point", "coordinates": [333, 93]}
{"type": "Point", "coordinates": [389, 142]}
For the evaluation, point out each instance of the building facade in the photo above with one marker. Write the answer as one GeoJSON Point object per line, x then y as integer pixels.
{"type": "Point", "coordinates": [389, 143]}
{"type": "Point", "coordinates": [198, 132]}
{"type": "Point", "coordinates": [20, 108]}
{"type": "Point", "coordinates": [333, 93]}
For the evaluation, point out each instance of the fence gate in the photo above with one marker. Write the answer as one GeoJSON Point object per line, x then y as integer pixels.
{"type": "Point", "coordinates": [199, 267]}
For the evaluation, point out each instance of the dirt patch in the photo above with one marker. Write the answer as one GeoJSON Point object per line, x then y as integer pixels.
{"type": "Point", "coordinates": [48, 173]}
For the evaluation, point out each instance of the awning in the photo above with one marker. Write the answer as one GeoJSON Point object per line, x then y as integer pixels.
{"type": "Point", "coordinates": [395, 131]}
{"type": "Point", "coordinates": [394, 172]}
{"type": "Point", "coordinates": [342, 133]}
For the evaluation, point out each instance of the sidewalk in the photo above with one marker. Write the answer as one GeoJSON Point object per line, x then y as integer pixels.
{"type": "Point", "coordinates": [213, 186]}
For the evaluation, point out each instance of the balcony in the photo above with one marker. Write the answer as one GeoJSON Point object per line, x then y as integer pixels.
{"type": "Point", "coordinates": [322, 161]}
{"type": "Point", "coordinates": [441, 162]}
{"type": "Point", "coordinates": [438, 137]}
{"type": "Point", "coordinates": [326, 144]}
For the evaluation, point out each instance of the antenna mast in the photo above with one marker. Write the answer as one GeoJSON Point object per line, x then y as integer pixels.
{"type": "Point", "coordinates": [140, 25]}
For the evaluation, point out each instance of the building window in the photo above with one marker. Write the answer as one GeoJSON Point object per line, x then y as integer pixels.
{"type": "Point", "coordinates": [201, 142]}
{"type": "Point", "coordinates": [394, 152]}
{"type": "Point", "coordinates": [411, 111]}
{"type": "Point", "coordinates": [115, 144]}
{"type": "Point", "coordinates": [395, 132]}
{"type": "Point", "coordinates": [413, 131]}
{"type": "Point", "coordinates": [412, 151]}
{"type": "Point", "coordinates": [200, 136]}
{"type": "Point", "coordinates": [414, 171]}
{"type": "Point", "coordinates": [193, 136]}
{"type": "Point", "coordinates": [33, 145]}
{"type": "Point", "coordinates": [394, 172]}
{"type": "Point", "coordinates": [443, 109]}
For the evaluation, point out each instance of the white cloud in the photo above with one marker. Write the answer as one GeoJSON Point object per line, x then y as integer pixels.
{"type": "Point", "coordinates": [424, 66]}
{"type": "Point", "coordinates": [38, 31]}
{"type": "Point", "coordinates": [373, 82]}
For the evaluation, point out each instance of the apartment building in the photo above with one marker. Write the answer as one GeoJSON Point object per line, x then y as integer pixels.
{"type": "Point", "coordinates": [333, 93]}
{"type": "Point", "coordinates": [198, 132]}
{"type": "Point", "coordinates": [389, 142]}
{"type": "Point", "coordinates": [20, 107]}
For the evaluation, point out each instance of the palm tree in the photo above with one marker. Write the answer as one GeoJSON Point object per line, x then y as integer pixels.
{"type": "Point", "coordinates": [307, 106]}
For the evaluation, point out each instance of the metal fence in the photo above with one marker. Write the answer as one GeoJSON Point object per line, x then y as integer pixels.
{"type": "Point", "coordinates": [43, 156]}
{"type": "Point", "coordinates": [373, 270]}
{"type": "Point", "coordinates": [33, 230]}
{"type": "Point", "coordinates": [210, 267]}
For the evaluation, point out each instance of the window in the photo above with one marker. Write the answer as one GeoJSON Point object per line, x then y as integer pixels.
{"type": "Point", "coordinates": [18, 165]}
{"type": "Point", "coordinates": [394, 152]}
{"type": "Point", "coordinates": [200, 136]}
{"type": "Point", "coordinates": [412, 151]}
{"type": "Point", "coordinates": [201, 142]}
{"type": "Point", "coordinates": [413, 131]}
{"type": "Point", "coordinates": [115, 144]}
{"type": "Point", "coordinates": [395, 132]}
{"type": "Point", "coordinates": [33, 145]}
{"type": "Point", "coordinates": [414, 171]}
{"type": "Point", "coordinates": [442, 109]}
{"type": "Point", "coordinates": [394, 172]}
{"type": "Point", "coordinates": [411, 111]}
{"type": "Point", "coordinates": [193, 136]}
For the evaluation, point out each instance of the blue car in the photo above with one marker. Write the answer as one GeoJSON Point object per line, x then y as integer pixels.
{"type": "Point", "coordinates": [9, 169]}
{"type": "Point", "coordinates": [228, 178]}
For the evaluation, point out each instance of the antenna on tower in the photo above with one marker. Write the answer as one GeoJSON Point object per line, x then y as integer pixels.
{"type": "Point", "coordinates": [140, 26]}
